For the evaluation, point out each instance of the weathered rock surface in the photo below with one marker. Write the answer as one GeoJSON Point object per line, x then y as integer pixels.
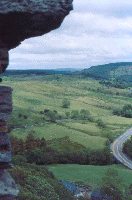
{"type": "Point", "coordinates": [22, 19]}
{"type": "Point", "coordinates": [4, 60]}
{"type": "Point", "coordinates": [5, 103]}
{"type": "Point", "coordinates": [8, 189]}
{"type": "Point", "coordinates": [19, 20]}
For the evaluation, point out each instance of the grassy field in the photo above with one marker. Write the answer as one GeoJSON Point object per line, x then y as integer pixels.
{"type": "Point", "coordinates": [87, 173]}
{"type": "Point", "coordinates": [35, 93]}
{"type": "Point", "coordinates": [51, 131]}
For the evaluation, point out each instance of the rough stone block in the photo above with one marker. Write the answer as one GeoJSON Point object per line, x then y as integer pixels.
{"type": "Point", "coordinates": [7, 185]}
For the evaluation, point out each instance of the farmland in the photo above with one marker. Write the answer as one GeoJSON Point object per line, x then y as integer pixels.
{"type": "Point", "coordinates": [73, 140]}
{"type": "Point", "coordinates": [33, 94]}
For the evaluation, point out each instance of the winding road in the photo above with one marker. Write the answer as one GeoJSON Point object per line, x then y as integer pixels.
{"type": "Point", "coordinates": [116, 148]}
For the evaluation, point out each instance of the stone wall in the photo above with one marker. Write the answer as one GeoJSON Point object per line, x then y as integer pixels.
{"type": "Point", "coordinates": [8, 189]}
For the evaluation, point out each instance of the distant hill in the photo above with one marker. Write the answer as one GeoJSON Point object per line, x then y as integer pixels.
{"type": "Point", "coordinates": [113, 71]}
{"type": "Point", "coordinates": [40, 72]}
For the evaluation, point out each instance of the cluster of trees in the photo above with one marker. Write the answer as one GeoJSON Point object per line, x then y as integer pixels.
{"type": "Point", "coordinates": [82, 114]}
{"type": "Point", "coordinates": [53, 115]}
{"type": "Point", "coordinates": [125, 111]}
{"type": "Point", "coordinates": [49, 156]}
{"type": "Point", "coordinates": [109, 91]}
{"type": "Point", "coordinates": [127, 148]}
{"type": "Point", "coordinates": [36, 151]}
{"type": "Point", "coordinates": [116, 83]}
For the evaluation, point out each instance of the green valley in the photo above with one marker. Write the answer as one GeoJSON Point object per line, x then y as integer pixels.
{"type": "Point", "coordinates": [77, 136]}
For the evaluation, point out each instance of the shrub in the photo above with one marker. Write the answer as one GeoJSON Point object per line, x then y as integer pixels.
{"type": "Point", "coordinates": [74, 114]}
{"type": "Point", "coordinates": [65, 103]}
{"type": "Point", "coordinates": [117, 111]}
{"type": "Point", "coordinates": [67, 114]}
{"type": "Point", "coordinates": [101, 123]}
{"type": "Point", "coordinates": [19, 115]}
{"type": "Point", "coordinates": [84, 114]}
{"type": "Point", "coordinates": [25, 116]}
{"type": "Point", "coordinates": [52, 115]}
{"type": "Point", "coordinates": [127, 148]}
{"type": "Point", "coordinates": [125, 111]}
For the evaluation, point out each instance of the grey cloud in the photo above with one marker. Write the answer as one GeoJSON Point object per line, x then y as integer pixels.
{"type": "Point", "coordinates": [92, 34]}
{"type": "Point", "coordinates": [118, 9]}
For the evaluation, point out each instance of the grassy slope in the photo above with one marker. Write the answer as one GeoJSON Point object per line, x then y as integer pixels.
{"type": "Point", "coordinates": [87, 173]}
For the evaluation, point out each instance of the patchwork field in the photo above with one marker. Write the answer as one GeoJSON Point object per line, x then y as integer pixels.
{"type": "Point", "coordinates": [77, 137]}
{"type": "Point", "coordinates": [52, 131]}
{"type": "Point", "coordinates": [33, 94]}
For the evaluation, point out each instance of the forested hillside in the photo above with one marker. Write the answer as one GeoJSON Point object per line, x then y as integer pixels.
{"type": "Point", "coordinates": [118, 74]}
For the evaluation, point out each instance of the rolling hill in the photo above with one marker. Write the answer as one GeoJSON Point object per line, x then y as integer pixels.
{"type": "Point", "coordinates": [114, 71]}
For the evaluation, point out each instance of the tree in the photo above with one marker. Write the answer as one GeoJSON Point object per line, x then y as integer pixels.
{"type": "Point", "coordinates": [101, 123]}
{"type": "Point", "coordinates": [112, 185]}
{"type": "Point", "coordinates": [52, 115]}
{"type": "Point", "coordinates": [42, 142]}
{"type": "Point", "coordinates": [65, 103]}
{"type": "Point", "coordinates": [17, 145]}
{"type": "Point", "coordinates": [127, 148]}
{"type": "Point", "coordinates": [30, 142]}
{"type": "Point", "coordinates": [84, 114]}
{"type": "Point", "coordinates": [74, 114]}
{"type": "Point", "coordinates": [67, 114]}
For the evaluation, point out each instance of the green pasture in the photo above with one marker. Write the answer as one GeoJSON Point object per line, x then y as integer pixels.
{"type": "Point", "coordinates": [117, 120]}
{"type": "Point", "coordinates": [39, 96]}
{"type": "Point", "coordinates": [89, 128]}
{"type": "Point", "coordinates": [45, 93]}
{"type": "Point", "coordinates": [52, 131]}
{"type": "Point", "coordinates": [116, 124]}
{"type": "Point", "coordinates": [37, 93]}
{"type": "Point", "coordinates": [95, 110]}
{"type": "Point", "coordinates": [87, 173]}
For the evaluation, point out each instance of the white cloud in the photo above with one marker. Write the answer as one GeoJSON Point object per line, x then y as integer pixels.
{"type": "Point", "coordinates": [118, 8]}
{"type": "Point", "coordinates": [94, 33]}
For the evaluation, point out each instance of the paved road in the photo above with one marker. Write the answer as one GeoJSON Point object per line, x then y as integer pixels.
{"type": "Point", "coordinates": [117, 149]}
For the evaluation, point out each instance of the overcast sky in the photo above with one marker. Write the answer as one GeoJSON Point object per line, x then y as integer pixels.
{"type": "Point", "coordinates": [96, 32]}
